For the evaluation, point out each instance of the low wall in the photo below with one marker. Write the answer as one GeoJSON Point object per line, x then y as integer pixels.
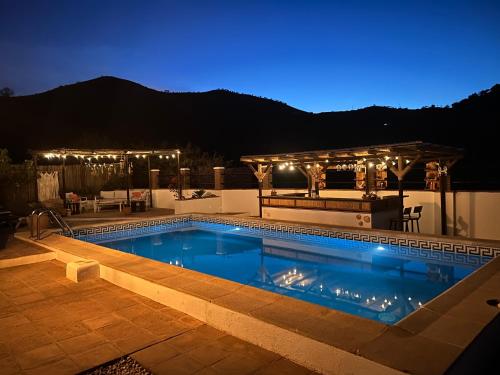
{"type": "Point", "coordinates": [211, 205]}
{"type": "Point", "coordinates": [469, 214]}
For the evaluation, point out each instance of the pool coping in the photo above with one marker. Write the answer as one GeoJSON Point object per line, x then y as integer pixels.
{"type": "Point", "coordinates": [427, 341]}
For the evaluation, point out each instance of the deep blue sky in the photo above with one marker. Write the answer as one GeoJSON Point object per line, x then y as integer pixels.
{"type": "Point", "coordinates": [314, 55]}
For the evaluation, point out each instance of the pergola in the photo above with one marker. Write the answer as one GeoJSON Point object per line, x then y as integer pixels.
{"type": "Point", "coordinates": [399, 158]}
{"type": "Point", "coordinates": [123, 156]}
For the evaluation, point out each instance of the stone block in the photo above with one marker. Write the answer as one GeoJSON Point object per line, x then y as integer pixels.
{"type": "Point", "coordinates": [82, 270]}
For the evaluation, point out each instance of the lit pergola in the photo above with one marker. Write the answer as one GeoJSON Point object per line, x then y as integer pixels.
{"type": "Point", "coordinates": [399, 158]}
{"type": "Point", "coordinates": [97, 156]}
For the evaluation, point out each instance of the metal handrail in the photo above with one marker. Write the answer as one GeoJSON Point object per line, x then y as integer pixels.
{"type": "Point", "coordinates": [54, 215]}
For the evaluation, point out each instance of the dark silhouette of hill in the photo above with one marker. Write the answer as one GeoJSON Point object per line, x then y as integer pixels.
{"type": "Point", "coordinates": [112, 112]}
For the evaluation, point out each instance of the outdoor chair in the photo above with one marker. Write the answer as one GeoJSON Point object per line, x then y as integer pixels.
{"type": "Point", "coordinates": [406, 218]}
{"type": "Point", "coordinates": [417, 214]}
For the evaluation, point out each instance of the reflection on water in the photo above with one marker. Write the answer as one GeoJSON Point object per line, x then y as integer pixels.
{"type": "Point", "coordinates": [377, 282]}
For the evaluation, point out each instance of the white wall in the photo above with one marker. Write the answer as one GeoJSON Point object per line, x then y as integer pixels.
{"type": "Point", "coordinates": [469, 214]}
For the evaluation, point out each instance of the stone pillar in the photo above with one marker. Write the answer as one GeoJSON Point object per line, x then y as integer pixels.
{"type": "Point", "coordinates": [267, 182]}
{"type": "Point", "coordinates": [155, 178]}
{"type": "Point", "coordinates": [185, 178]}
{"type": "Point", "coordinates": [219, 178]}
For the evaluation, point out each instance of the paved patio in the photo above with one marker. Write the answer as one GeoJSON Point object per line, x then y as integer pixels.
{"type": "Point", "coordinates": [51, 325]}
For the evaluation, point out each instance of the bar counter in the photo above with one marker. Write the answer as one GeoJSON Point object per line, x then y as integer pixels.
{"type": "Point", "coordinates": [376, 213]}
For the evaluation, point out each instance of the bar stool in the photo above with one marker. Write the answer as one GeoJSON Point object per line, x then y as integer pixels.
{"type": "Point", "coordinates": [406, 217]}
{"type": "Point", "coordinates": [417, 214]}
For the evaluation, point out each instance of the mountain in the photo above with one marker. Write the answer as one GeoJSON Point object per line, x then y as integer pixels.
{"type": "Point", "coordinates": [112, 112]}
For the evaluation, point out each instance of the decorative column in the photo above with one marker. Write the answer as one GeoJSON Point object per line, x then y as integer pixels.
{"type": "Point", "coordinates": [155, 178]}
{"type": "Point", "coordinates": [185, 178]}
{"type": "Point", "coordinates": [443, 176]}
{"type": "Point", "coordinates": [219, 178]}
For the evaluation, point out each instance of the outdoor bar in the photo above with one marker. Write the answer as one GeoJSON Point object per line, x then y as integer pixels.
{"type": "Point", "coordinates": [369, 165]}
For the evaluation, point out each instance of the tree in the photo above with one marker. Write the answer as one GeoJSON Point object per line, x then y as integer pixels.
{"type": "Point", "coordinates": [6, 91]}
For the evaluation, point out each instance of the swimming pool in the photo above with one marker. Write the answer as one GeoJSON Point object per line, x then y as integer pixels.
{"type": "Point", "coordinates": [376, 281]}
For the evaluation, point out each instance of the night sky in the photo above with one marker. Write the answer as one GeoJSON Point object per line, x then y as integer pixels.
{"type": "Point", "coordinates": [314, 55]}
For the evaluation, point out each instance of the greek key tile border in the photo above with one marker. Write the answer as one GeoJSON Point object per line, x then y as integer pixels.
{"type": "Point", "coordinates": [454, 246]}
{"type": "Point", "coordinates": [271, 229]}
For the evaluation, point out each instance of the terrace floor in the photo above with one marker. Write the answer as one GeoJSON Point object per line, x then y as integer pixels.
{"type": "Point", "coordinates": [51, 325]}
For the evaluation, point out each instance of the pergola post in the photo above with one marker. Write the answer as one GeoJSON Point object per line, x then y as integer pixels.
{"type": "Point", "coordinates": [35, 167]}
{"type": "Point", "coordinates": [261, 173]}
{"type": "Point", "coordinates": [64, 179]}
{"type": "Point", "coordinates": [443, 179]}
{"type": "Point", "coordinates": [149, 183]}
{"type": "Point", "coordinates": [400, 173]}
{"type": "Point", "coordinates": [442, 195]}
{"type": "Point", "coordinates": [127, 171]}
{"type": "Point", "coordinates": [367, 178]}
{"type": "Point", "coordinates": [179, 185]}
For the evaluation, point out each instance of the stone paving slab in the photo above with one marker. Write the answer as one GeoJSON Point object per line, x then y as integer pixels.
{"type": "Point", "coordinates": [84, 325]}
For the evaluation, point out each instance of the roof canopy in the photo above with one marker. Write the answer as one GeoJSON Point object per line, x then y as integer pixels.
{"type": "Point", "coordinates": [410, 150]}
{"type": "Point", "coordinates": [104, 153]}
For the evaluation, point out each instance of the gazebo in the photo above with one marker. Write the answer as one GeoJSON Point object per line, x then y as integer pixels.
{"type": "Point", "coordinates": [122, 157]}
{"type": "Point", "coordinates": [398, 158]}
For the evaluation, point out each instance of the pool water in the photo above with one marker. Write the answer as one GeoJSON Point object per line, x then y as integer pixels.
{"type": "Point", "coordinates": [379, 282]}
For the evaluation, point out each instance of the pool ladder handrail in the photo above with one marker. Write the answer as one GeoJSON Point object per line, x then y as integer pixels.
{"type": "Point", "coordinates": [54, 216]}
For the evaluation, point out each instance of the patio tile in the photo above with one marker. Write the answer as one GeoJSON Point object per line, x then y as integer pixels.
{"type": "Point", "coordinates": [238, 364]}
{"type": "Point", "coordinates": [101, 321]}
{"type": "Point", "coordinates": [207, 371]}
{"type": "Point", "coordinates": [39, 356]}
{"type": "Point", "coordinates": [208, 354]}
{"type": "Point", "coordinates": [453, 331]}
{"type": "Point", "coordinates": [96, 356]}
{"type": "Point", "coordinates": [133, 311]}
{"type": "Point", "coordinates": [81, 343]}
{"type": "Point", "coordinates": [190, 321]}
{"type": "Point", "coordinates": [136, 340]}
{"type": "Point", "coordinates": [282, 367]}
{"type": "Point", "coordinates": [4, 350]}
{"type": "Point", "coordinates": [189, 340]}
{"type": "Point", "coordinates": [39, 312]}
{"type": "Point", "coordinates": [27, 298]}
{"type": "Point", "coordinates": [9, 366]}
{"type": "Point", "coordinates": [164, 329]}
{"type": "Point", "coordinates": [117, 331]}
{"type": "Point", "coordinates": [13, 321]}
{"type": "Point", "coordinates": [26, 343]}
{"type": "Point", "coordinates": [155, 354]}
{"type": "Point", "coordinates": [241, 302]}
{"type": "Point", "coordinates": [179, 365]}
{"type": "Point", "coordinates": [69, 330]}
{"type": "Point", "coordinates": [62, 367]}
{"type": "Point", "coordinates": [390, 348]}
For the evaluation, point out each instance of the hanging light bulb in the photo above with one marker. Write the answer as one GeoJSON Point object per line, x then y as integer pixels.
{"type": "Point", "coordinates": [173, 156]}
{"type": "Point", "coordinates": [161, 156]}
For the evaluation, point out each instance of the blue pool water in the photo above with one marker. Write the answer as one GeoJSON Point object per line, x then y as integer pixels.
{"type": "Point", "coordinates": [379, 282]}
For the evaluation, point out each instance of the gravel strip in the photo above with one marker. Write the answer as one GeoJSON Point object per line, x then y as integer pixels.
{"type": "Point", "coordinates": [122, 366]}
